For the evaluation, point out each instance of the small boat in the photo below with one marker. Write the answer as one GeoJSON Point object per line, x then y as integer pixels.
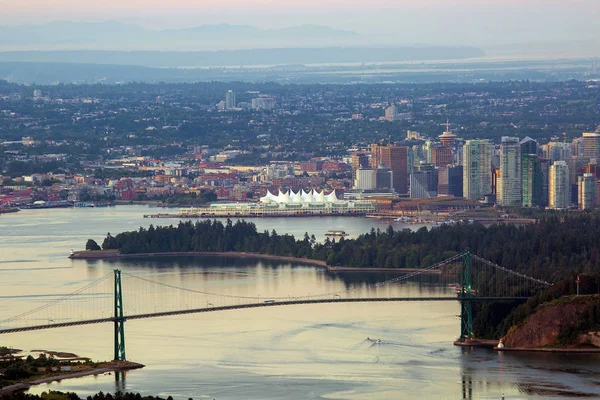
{"type": "Point", "coordinates": [336, 233]}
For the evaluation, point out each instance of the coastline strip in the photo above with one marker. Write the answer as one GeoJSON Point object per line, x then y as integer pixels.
{"type": "Point", "coordinates": [113, 254]}
{"type": "Point", "coordinates": [114, 366]}
{"type": "Point", "coordinates": [110, 254]}
{"type": "Point", "coordinates": [549, 350]}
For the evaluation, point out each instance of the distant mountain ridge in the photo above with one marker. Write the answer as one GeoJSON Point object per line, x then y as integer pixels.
{"type": "Point", "coordinates": [109, 32]}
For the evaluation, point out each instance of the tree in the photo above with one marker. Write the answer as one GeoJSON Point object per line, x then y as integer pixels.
{"type": "Point", "coordinates": [92, 245]}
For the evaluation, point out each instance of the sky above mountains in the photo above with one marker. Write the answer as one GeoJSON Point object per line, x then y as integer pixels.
{"type": "Point", "coordinates": [402, 22]}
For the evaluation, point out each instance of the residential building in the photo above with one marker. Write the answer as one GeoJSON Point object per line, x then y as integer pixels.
{"type": "Point", "coordinates": [263, 102]}
{"type": "Point", "coordinates": [587, 188]}
{"type": "Point", "coordinates": [545, 171]}
{"type": "Point", "coordinates": [532, 184]}
{"type": "Point", "coordinates": [230, 102]}
{"type": "Point", "coordinates": [509, 182]}
{"type": "Point", "coordinates": [559, 194]}
{"type": "Point", "coordinates": [477, 166]}
{"type": "Point", "coordinates": [591, 145]}
{"type": "Point", "coordinates": [391, 113]}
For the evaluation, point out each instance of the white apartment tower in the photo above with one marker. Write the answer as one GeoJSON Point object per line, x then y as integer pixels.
{"type": "Point", "coordinates": [509, 182]}
{"type": "Point", "coordinates": [586, 189]}
{"type": "Point", "coordinates": [559, 187]}
{"type": "Point", "coordinates": [391, 113]}
{"type": "Point", "coordinates": [477, 168]}
{"type": "Point", "coordinates": [230, 100]}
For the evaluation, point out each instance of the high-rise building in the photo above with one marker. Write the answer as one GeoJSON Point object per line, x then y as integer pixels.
{"type": "Point", "coordinates": [376, 155]}
{"type": "Point", "coordinates": [230, 102]}
{"type": "Point", "coordinates": [509, 182]}
{"type": "Point", "coordinates": [424, 182]}
{"type": "Point", "coordinates": [528, 146]}
{"type": "Point", "coordinates": [593, 169]}
{"type": "Point", "coordinates": [359, 160]}
{"type": "Point", "coordinates": [455, 180]}
{"type": "Point", "coordinates": [559, 195]}
{"type": "Point", "coordinates": [477, 166]}
{"type": "Point", "coordinates": [555, 151]}
{"type": "Point", "coordinates": [263, 102]}
{"type": "Point", "coordinates": [450, 180]}
{"type": "Point", "coordinates": [591, 145]}
{"type": "Point", "coordinates": [532, 181]}
{"type": "Point", "coordinates": [587, 188]}
{"type": "Point", "coordinates": [365, 179]}
{"type": "Point", "coordinates": [384, 178]}
{"type": "Point", "coordinates": [441, 155]}
{"type": "Point", "coordinates": [576, 169]}
{"type": "Point", "coordinates": [545, 172]}
{"type": "Point", "coordinates": [427, 151]}
{"type": "Point", "coordinates": [391, 113]}
{"type": "Point", "coordinates": [578, 149]}
{"type": "Point", "coordinates": [395, 158]}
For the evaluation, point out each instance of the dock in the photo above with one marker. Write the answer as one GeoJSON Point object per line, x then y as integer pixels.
{"type": "Point", "coordinates": [254, 214]}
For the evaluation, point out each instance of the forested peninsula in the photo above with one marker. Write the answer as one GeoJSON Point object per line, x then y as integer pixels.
{"type": "Point", "coordinates": [553, 248]}
{"type": "Point", "coordinates": [556, 248]}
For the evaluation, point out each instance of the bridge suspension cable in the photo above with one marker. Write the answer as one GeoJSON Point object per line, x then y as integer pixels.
{"type": "Point", "coordinates": [144, 298]}
{"type": "Point", "coordinates": [74, 296]}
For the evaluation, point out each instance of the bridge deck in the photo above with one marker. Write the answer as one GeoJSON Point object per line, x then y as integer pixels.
{"type": "Point", "coordinates": [266, 303]}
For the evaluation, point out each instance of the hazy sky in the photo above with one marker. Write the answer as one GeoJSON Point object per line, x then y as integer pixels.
{"type": "Point", "coordinates": [410, 21]}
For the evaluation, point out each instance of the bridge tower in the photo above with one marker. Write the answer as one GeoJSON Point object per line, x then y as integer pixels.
{"type": "Point", "coordinates": [119, 319]}
{"type": "Point", "coordinates": [466, 309]}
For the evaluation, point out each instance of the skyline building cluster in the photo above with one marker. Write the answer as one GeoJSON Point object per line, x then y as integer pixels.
{"type": "Point", "coordinates": [515, 173]}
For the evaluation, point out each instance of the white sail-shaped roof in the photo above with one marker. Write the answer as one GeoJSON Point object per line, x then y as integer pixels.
{"type": "Point", "coordinates": [299, 197]}
{"type": "Point", "coordinates": [320, 198]}
{"type": "Point", "coordinates": [304, 195]}
{"type": "Point", "coordinates": [331, 197]}
{"type": "Point", "coordinates": [268, 198]}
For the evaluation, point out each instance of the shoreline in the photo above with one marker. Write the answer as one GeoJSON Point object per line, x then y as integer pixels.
{"type": "Point", "coordinates": [114, 254]}
{"type": "Point", "coordinates": [493, 345]}
{"type": "Point", "coordinates": [549, 350]}
{"type": "Point", "coordinates": [363, 269]}
{"type": "Point", "coordinates": [113, 366]}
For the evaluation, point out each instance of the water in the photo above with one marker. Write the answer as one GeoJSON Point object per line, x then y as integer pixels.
{"type": "Point", "coordinates": [294, 352]}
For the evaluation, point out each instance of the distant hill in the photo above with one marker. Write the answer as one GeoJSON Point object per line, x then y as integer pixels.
{"type": "Point", "coordinates": [280, 56]}
{"type": "Point", "coordinates": [117, 35]}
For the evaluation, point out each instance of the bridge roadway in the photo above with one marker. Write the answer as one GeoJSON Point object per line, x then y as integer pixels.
{"type": "Point", "coordinates": [266, 303]}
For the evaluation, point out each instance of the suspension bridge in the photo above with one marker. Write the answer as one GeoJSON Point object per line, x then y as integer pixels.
{"type": "Point", "coordinates": [465, 277]}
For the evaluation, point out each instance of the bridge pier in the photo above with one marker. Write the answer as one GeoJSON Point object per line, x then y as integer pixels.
{"type": "Point", "coordinates": [119, 320]}
{"type": "Point", "coordinates": [466, 302]}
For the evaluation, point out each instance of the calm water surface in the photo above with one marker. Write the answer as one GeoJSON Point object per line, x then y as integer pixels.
{"type": "Point", "coordinates": [295, 352]}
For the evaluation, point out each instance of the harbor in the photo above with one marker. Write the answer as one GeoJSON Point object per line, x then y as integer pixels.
{"type": "Point", "coordinates": [358, 208]}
